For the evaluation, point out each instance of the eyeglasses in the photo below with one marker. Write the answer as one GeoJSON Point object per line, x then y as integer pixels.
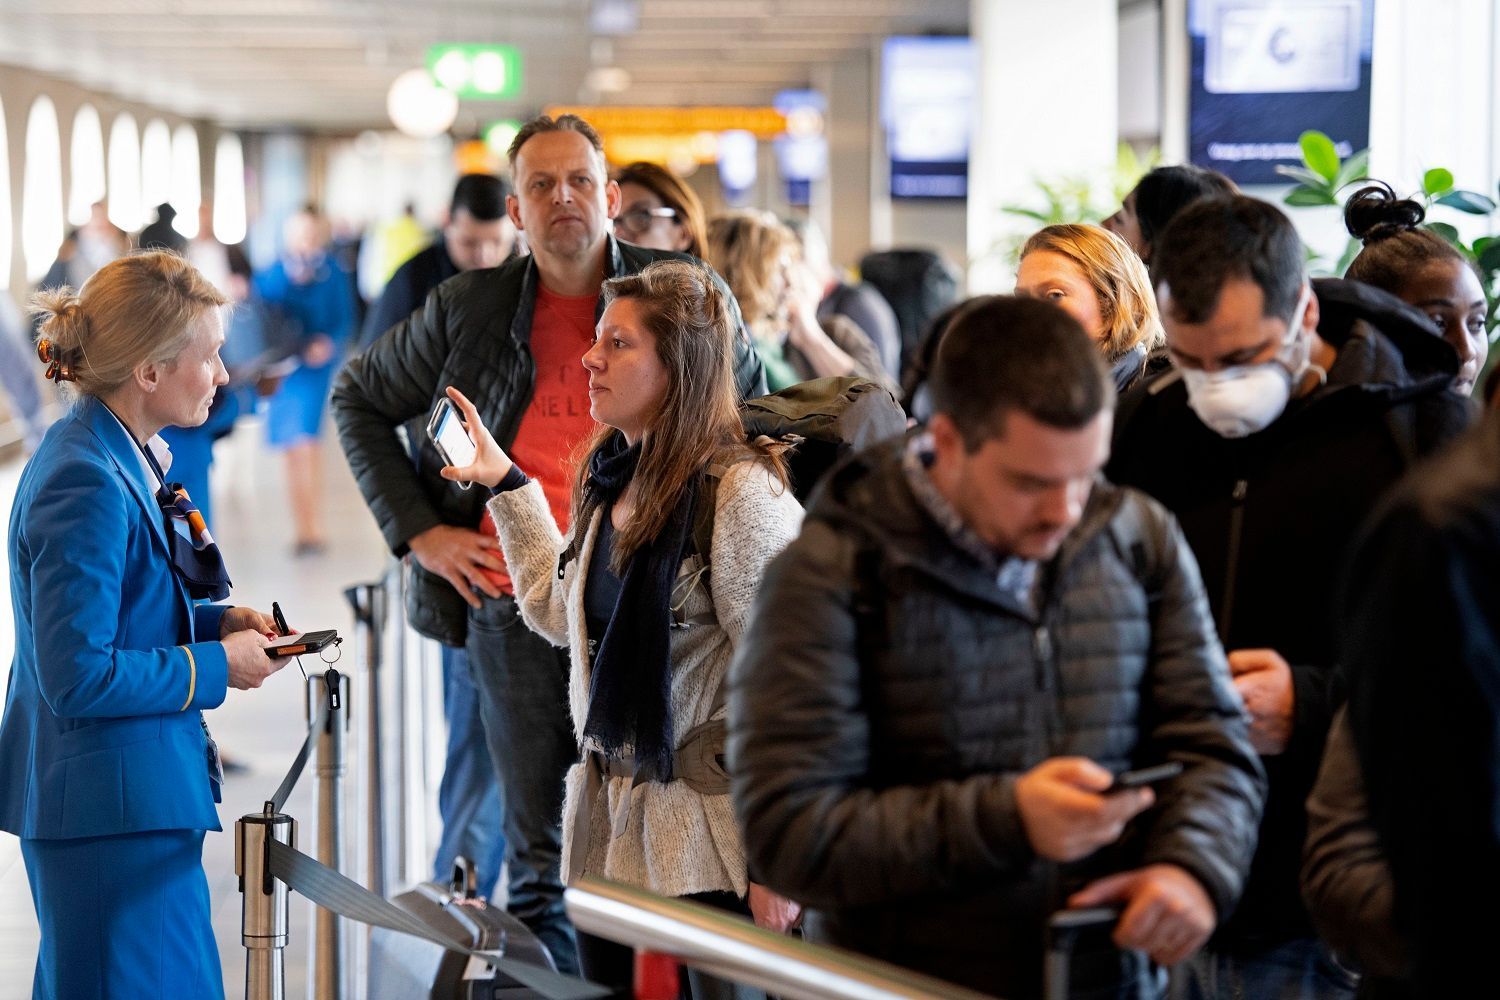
{"type": "Point", "coordinates": [638, 220]}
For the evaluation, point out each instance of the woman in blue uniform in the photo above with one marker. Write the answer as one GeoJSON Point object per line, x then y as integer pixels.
{"type": "Point", "coordinates": [107, 771]}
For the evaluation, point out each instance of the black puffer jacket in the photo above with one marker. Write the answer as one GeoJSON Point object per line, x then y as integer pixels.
{"type": "Point", "coordinates": [473, 332]}
{"type": "Point", "coordinates": [889, 693]}
{"type": "Point", "coordinates": [1271, 517]}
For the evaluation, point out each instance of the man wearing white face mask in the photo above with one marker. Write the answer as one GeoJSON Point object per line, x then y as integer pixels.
{"type": "Point", "coordinates": [1293, 407]}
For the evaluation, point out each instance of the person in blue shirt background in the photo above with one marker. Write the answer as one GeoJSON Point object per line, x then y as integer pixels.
{"type": "Point", "coordinates": [310, 286]}
{"type": "Point", "coordinates": [107, 771]}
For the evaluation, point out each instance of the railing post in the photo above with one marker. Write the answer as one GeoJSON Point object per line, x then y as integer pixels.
{"type": "Point", "coordinates": [329, 690]}
{"type": "Point", "coordinates": [264, 906]}
{"type": "Point", "coordinates": [368, 602]}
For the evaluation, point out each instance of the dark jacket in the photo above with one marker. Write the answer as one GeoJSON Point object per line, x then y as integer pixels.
{"type": "Point", "coordinates": [1271, 517]}
{"type": "Point", "coordinates": [472, 332]}
{"type": "Point", "coordinates": [889, 693]}
{"type": "Point", "coordinates": [867, 309]}
{"type": "Point", "coordinates": [1421, 619]}
{"type": "Point", "coordinates": [407, 289]}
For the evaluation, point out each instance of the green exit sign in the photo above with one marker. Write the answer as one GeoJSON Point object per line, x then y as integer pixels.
{"type": "Point", "coordinates": [477, 72]}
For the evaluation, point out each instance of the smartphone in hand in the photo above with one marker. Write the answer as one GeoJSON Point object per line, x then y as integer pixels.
{"type": "Point", "coordinates": [1141, 777]}
{"type": "Point", "coordinates": [445, 428]}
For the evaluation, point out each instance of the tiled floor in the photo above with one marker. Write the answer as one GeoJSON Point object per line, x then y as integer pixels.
{"type": "Point", "coordinates": [263, 728]}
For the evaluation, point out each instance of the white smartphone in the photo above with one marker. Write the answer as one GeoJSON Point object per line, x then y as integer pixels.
{"type": "Point", "coordinates": [446, 430]}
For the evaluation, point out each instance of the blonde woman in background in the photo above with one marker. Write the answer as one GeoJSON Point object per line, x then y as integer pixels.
{"type": "Point", "coordinates": [1095, 276]}
{"type": "Point", "coordinates": [761, 261]}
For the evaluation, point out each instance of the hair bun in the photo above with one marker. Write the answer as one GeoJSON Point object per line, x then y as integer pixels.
{"type": "Point", "coordinates": [1374, 213]}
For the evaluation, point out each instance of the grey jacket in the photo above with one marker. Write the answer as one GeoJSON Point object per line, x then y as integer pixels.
{"type": "Point", "coordinates": [473, 332]}
{"type": "Point", "coordinates": [889, 693]}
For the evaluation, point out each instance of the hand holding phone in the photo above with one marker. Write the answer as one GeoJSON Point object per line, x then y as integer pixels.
{"type": "Point", "coordinates": [1141, 777]}
{"type": "Point", "coordinates": [452, 442]}
{"type": "Point", "coordinates": [467, 445]}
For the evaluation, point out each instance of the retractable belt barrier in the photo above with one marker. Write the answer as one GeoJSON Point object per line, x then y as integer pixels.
{"type": "Point", "coordinates": [265, 855]}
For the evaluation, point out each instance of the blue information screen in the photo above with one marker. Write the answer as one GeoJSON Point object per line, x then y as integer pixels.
{"type": "Point", "coordinates": [1265, 71]}
{"type": "Point", "coordinates": [928, 90]}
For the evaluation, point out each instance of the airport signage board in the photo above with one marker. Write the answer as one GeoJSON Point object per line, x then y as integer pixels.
{"type": "Point", "coordinates": [929, 91]}
{"type": "Point", "coordinates": [477, 72]}
{"type": "Point", "coordinates": [1265, 71]}
{"type": "Point", "coordinates": [619, 119]}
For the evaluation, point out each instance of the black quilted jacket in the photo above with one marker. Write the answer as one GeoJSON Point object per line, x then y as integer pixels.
{"type": "Point", "coordinates": [473, 332]}
{"type": "Point", "coordinates": [888, 694]}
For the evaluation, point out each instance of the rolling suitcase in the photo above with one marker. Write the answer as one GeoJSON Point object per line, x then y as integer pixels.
{"type": "Point", "coordinates": [403, 967]}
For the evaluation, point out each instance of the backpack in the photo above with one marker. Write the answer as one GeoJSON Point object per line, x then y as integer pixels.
{"type": "Point", "coordinates": [918, 284]}
{"type": "Point", "coordinates": [817, 423]}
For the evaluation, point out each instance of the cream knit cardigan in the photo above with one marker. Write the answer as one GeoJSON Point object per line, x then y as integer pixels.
{"type": "Point", "coordinates": [677, 841]}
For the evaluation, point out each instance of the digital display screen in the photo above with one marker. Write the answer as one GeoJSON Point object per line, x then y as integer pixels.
{"type": "Point", "coordinates": [1265, 71]}
{"type": "Point", "coordinates": [455, 440]}
{"type": "Point", "coordinates": [928, 93]}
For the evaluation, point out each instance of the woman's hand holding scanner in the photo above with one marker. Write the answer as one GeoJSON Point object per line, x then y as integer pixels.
{"type": "Point", "coordinates": [239, 619]}
{"type": "Point", "coordinates": [249, 665]}
{"type": "Point", "coordinates": [491, 463]}
{"type": "Point", "coordinates": [1066, 812]}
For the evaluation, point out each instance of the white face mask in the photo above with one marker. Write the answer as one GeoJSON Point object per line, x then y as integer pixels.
{"type": "Point", "coordinates": [1241, 400]}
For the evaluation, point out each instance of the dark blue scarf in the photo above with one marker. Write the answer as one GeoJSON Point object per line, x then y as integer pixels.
{"type": "Point", "coordinates": [630, 691]}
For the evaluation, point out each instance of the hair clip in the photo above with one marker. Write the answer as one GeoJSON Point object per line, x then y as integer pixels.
{"type": "Point", "coordinates": [56, 370]}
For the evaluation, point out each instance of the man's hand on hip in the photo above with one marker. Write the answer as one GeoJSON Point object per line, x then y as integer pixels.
{"type": "Point", "coordinates": [459, 555]}
{"type": "Point", "coordinates": [1167, 914]}
{"type": "Point", "coordinates": [1064, 813]}
{"type": "Point", "coordinates": [1264, 680]}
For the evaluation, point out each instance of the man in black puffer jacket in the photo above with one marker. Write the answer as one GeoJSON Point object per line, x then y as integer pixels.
{"type": "Point", "coordinates": [1295, 407]}
{"type": "Point", "coordinates": [970, 636]}
{"type": "Point", "coordinates": [512, 339]}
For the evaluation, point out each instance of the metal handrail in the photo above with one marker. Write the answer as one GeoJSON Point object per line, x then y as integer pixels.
{"type": "Point", "coordinates": [732, 948]}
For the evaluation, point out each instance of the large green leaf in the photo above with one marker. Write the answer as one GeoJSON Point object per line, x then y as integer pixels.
{"type": "Point", "coordinates": [1303, 196]}
{"type": "Point", "coordinates": [1437, 181]}
{"type": "Point", "coordinates": [1347, 257]}
{"type": "Point", "coordinates": [1303, 176]}
{"type": "Point", "coordinates": [1447, 232]}
{"type": "Point", "coordinates": [1468, 201]}
{"type": "Point", "coordinates": [1319, 155]}
{"type": "Point", "coordinates": [1487, 250]}
{"type": "Point", "coordinates": [1356, 168]}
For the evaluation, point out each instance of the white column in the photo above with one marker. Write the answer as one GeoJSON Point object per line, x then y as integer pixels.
{"type": "Point", "coordinates": [1436, 95]}
{"type": "Point", "coordinates": [1047, 109]}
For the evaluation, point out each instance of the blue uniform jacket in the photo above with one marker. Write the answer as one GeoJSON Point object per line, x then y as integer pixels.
{"type": "Point", "coordinates": [102, 730]}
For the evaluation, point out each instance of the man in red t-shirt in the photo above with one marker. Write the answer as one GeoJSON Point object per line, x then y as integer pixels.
{"type": "Point", "coordinates": [511, 339]}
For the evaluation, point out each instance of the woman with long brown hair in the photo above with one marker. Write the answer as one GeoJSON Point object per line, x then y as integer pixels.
{"type": "Point", "coordinates": [674, 519]}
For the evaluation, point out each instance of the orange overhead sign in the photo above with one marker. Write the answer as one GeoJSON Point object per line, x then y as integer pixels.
{"type": "Point", "coordinates": [763, 122]}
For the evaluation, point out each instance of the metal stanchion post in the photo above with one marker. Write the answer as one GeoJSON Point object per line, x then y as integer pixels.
{"type": "Point", "coordinates": [369, 603]}
{"type": "Point", "coordinates": [264, 906]}
{"type": "Point", "coordinates": [330, 689]}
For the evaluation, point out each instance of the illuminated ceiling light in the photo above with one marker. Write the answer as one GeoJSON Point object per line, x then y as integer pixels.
{"type": "Point", "coordinates": [489, 73]}
{"type": "Point", "coordinates": [452, 70]}
{"type": "Point", "coordinates": [608, 79]}
{"type": "Point", "coordinates": [418, 107]}
{"type": "Point", "coordinates": [500, 135]}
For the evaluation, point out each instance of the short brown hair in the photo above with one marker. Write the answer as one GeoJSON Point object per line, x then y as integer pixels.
{"type": "Point", "coordinates": [137, 309]}
{"type": "Point", "coordinates": [546, 123]}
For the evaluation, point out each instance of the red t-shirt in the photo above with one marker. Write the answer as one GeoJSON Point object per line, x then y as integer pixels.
{"type": "Point", "coordinates": [558, 420]}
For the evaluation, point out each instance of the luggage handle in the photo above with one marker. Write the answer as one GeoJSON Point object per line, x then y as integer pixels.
{"type": "Point", "coordinates": [465, 882]}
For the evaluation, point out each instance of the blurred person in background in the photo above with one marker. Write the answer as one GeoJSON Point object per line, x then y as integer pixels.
{"type": "Point", "coordinates": [859, 302]}
{"type": "Point", "coordinates": [18, 377]}
{"type": "Point", "coordinates": [107, 771]}
{"type": "Point", "coordinates": [86, 249]}
{"type": "Point", "coordinates": [1158, 197]}
{"type": "Point", "coordinates": [1098, 280]}
{"type": "Point", "coordinates": [1422, 269]}
{"type": "Point", "coordinates": [762, 263]}
{"type": "Point", "coordinates": [307, 284]}
{"type": "Point", "coordinates": [658, 211]}
{"type": "Point", "coordinates": [161, 234]}
{"type": "Point", "coordinates": [478, 234]}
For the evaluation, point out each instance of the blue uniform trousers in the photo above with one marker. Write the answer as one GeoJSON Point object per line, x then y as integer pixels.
{"type": "Point", "coordinates": [124, 916]}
